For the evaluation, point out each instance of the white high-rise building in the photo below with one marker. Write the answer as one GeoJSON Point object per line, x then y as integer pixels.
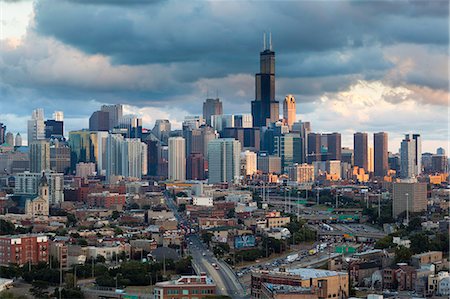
{"type": "Point", "coordinates": [411, 156]}
{"type": "Point", "coordinates": [224, 160]}
{"type": "Point", "coordinates": [133, 152]}
{"type": "Point", "coordinates": [162, 129]}
{"type": "Point", "coordinates": [58, 116]}
{"type": "Point", "coordinates": [100, 154]}
{"type": "Point", "coordinates": [177, 159]}
{"type": "Point", "coordinates": [18, 141]}
{"type": "Point", "coordinates": [27, 183]}
{"type": "Point", "coordinates": [36, 126]}
{"type": "Point", "coordinates": [125, 157]}
{"type": "Point", "coordinates": [248, 163]}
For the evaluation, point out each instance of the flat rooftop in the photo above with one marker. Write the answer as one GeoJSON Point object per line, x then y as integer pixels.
{"type": "Point", "coordinates": [305, 273]}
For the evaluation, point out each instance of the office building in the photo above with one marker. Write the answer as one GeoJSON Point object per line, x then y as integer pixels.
{"type": "Point", "coordinates": [39, 155]}
{"type": "Point", "coordinates": [289, 112]}
{"type": "Point", "coordinates": [59, 156]}
{"type": "Point", "coordinates": [132, 124]}
{"type": "Point", "coordinates": [360, 150]}
{"type": "Point", "coordinates": [265, 109]}
{"type": "Point", "coordinates": [380, 154]}
{"type": "Point", "coordinates": [248, 163]}
{"type": "Point", "coordinates": [347, 155]}
{"type": "Point", "coordinates": [321, 283]}
{"type": "Point", "coordinates": [303, 128]}
{"type": "Point", "coordinates": [162, 130]}
{"type": "Point", "coordinates": [177, 159]}
{"type": "Point", "coordinates": [250, 138]}
{"type": "Point", "coordinates": [197, 140]}
{"type": "Point", "coordinates": [224, 160]}
{"type": "Point", "coordinates": [334, 147]}
{"type": "Point", "coordinates": [27, 183]}
{"type": "Point", "coordinates": [440, 151]}
{"type": "Point", "coordinates": [289, 148]}
{"type": "Point", "coordinates": [243, 121]}
{"type": "Point", "coordinates": [195, 167]}
{"type": "Point", "coordinates": [411, 156]}
{"type": "Point", "coordinates": [439, 164]}
{"type": "Point", "coordinates": [301, 173]}
{"type": "Point", "coordinates": [333, 169]}
{"type": "Point", "coordinates": [314, 147]}
{"type": "Point", "coordinates": [99, 121]}
{"type": "Point", "coordinates": [115, 114]}
{"type": "Point", "coordinates": [153, 155]}
{"type": "Point", "coordinates": [54, 129]}
{"type": "Point", "coordinates": [269, 163]}
{"type": "Point", "coordinates": [186, 287]}
{"type": "Point", "coordinates": [18, 140]}
{"type": "Point", "coordinates": [126, 157]}
{"type": "Point", "coordinates": [58, 115]}
{"type": "Point", "coordinates": [211, 107]}
{"type": "Point", "coordinates": [36, 126]}
{"type": "Point", "coordinates": [409, 195]}
{"type": "Point", "coordinates": [192, 122]}
{"type": "Point", "coordinates": [9, 138]}
{"type": "Point", "coordinates": [82, 148]}
{"type": "Point", "coordinates": [84, 170]}
{"type": "Point", "coordinates": [23, 249]}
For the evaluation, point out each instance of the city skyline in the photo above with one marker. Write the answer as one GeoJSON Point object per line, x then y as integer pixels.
{"type": "Point", "coordinates": [366, 97]}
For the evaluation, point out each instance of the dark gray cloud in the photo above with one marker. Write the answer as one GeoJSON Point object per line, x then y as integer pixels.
{"type": "Point", "coordinates": [78, 54]}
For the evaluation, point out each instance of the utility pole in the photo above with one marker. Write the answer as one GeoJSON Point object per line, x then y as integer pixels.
{"type": "Point", "coordinates": [379, 206]}
{"type": "Point", "coordinates": [317, 194]}
{"type": "Point", "coordinates": [407, 208]}
{"type": "Point", "coordinates": [60, 271]}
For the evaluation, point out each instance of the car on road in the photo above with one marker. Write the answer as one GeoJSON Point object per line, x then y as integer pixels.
{"type": "Point", "coordinates": [215, 266]}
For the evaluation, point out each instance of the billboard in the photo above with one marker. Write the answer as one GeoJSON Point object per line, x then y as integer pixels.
{"type": "Point", "coordinates": [244, 241]}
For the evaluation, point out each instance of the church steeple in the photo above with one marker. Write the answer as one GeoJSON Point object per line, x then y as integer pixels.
{"type": "Point", "coordinates": [43, 187]}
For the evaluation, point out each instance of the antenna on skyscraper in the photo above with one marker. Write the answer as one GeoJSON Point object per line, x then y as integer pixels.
{"type": "Point", "coordinates": [264, 41]}
{"type": "Point", "coordinates": [270, 41]}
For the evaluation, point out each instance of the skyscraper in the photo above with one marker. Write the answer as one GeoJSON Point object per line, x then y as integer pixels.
{"type": "Point", "coordinates": [360, 150]}
{"type": "Point", "coordinates": [289, 113]}
{"type": "Point", "coordinates": [162, 130]}
{"type": "Point", "coordinates": [410, 156]}
{"type": "Point", "coordinates": [195, 167]}
{"type": "Point", "coordinates": [99, 121]}
{"type": "Point", "coordinates": [334, 146]}
{"type": "Point", "coordinates": [18, 140]}
{"type": "Point", "coordinates": [265, 109]}
{"type": "Point", "coordinates": [314, 143]}
{"type": "Point", "coordinates": [36, 126]}
{"type": "Point", "coordinates": [177, 159]}
{"type": "Point", "coordinates": [54, 128]}
{"type": "Point", "coordinates": [289, 148]}
{"type": "Point", "coordinates": [9, 138]}
{"type": "Point", "coordinates": [115, 114]}
{"type": "Point", "coordinates": [58, 116]}
{"type": "Point", "coordinates": [224, 160]}
{"type": "Point", "coordinates": [380, 143]}
{"type": "Point", "coordinates": [39, 156]}
{"type": "Point", "coordinates": [212, 107]}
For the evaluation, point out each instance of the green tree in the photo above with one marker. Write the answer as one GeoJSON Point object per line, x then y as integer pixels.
{"type": "Point", "coordinates": [39, 289]}
{"type": "Point", "coordinates": [6, 227]}
{"type": "Point", "coordinates": [419, 243]}
{"type": "Point", "coordinates": [402, 254]}
{"type": "Point", "coordinates": [182, 208]}
{"type": "Point", "coordinates": [115, 215]}
{"type": "Point", "coordinates": [385, 242]}
{"type": "Point", "coordinates": [71, 220]}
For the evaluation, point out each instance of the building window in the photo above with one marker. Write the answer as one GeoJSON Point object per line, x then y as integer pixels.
{"type": "Point", "coordinates": [185, 292]}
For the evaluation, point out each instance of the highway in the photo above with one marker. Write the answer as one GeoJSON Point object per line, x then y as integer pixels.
{"type": "Point", "coordinates": [202, 260]}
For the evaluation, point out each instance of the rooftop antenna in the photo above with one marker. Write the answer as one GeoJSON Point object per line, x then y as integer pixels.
{"type": "Point", "coordinates": [207, 92]}
{"type": "Point", "coordinates": [217, 93]}
{"type": "Point", "coordinates": [264, 40]}
{"type": "Point", "coordinates": [270, 41]}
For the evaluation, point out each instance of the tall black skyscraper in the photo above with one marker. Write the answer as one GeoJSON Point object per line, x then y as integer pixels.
{"type": "Point", "coordinates": [2, 133]}
{"type": "Point", "coordinates": [54, 128]}
{"type": "Point", "coordinates": [265, 108]}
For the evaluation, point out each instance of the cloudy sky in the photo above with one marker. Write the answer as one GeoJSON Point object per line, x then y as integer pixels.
{"type": "Point", "coordinates": [351, 65]}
